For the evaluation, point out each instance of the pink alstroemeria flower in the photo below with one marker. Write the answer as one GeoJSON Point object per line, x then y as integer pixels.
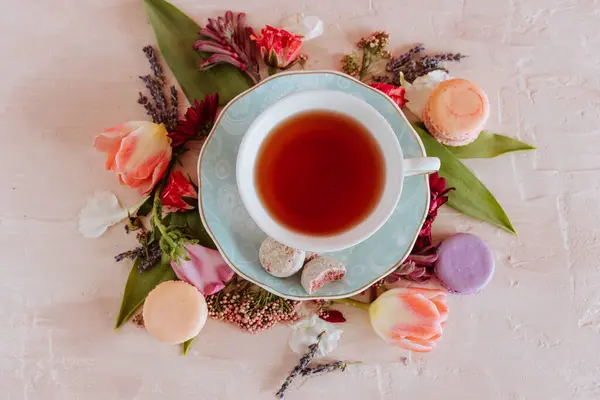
{"type": "Point", "coordinates": [138, 152]}
{"type": "Point", "coordinates": [205, 269]}
{"type": "Point", "coordinates": [177, 187]}
{"type": "Point", "coordinates": [278, 47]}
{"type": "Point", "coordinates": [396, 93]}
{"type": "Point", "coordinates": [411, 318]}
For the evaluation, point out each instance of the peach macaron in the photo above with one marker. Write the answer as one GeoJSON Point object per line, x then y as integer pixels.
{"type": "Point", "coordinates": [456, 112]}
{"type": "Point", "coordinates": [174, 312]}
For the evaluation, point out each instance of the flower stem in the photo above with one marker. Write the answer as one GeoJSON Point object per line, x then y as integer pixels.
{"type": "Point", "coordinates": [353, 303]}
{"type": "Point", "coordinates": [156, 215]}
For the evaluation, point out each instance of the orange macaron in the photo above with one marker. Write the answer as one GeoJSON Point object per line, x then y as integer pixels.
{"type": "Point", "coordinates": [456, 112]}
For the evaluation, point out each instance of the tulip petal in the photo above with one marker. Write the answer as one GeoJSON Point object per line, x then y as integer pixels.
{"type": "Point", "coordinates": [149, 183]}
{"type": "Point", "coordinates": [100, 211]}
{"type": "Point", "coordinates": [142, 150]}
{"type": "Point", "coordinates": [107, 140]}
{"type": "Point", "coordinates": [417, 345]}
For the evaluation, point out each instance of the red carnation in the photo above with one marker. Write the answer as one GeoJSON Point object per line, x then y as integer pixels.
{"type": "Point", "coordinates": [439, 196]}
{"type": "Point", "coordinates": [396, 93]}
{"type": "Point", "coordinates": [177, 188]}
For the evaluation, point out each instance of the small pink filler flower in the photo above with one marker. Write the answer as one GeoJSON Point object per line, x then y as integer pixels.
{"type": "Point", "coordinates": [205, 269]}
{"type": "Point", "coordinates": [138, 152]}
{"type": "Point", "coordinates": [178, 187]}
{"type": "Point", "coordinates": [278, 47]}
{"type": "Point", "coordinates": [412, 318]}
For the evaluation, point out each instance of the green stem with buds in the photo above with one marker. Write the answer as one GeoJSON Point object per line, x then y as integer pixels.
{"type": "Point", "coordinates": [353, 303]}
{"type": "Point", "coordinates": [156, 216]}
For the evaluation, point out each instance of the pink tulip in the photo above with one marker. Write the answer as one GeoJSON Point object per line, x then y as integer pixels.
{"type": "Point", "coordinates": [278, 47]}
{"type": "Point", "coordinates": [138, 152]}
{"type": "Point", "coordinates": [205, 269]}
{"type": "Point", "coordinates": [411, 318]}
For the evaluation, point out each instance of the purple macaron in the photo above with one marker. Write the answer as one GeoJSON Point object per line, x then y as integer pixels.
{"type": "Point", "coordinates": [465, 264]}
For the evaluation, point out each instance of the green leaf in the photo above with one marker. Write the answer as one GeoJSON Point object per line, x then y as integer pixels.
{"type": "Point", "coordinates": [489, 145]}
{"type": "Point", "coordinates": [176, 33]}
{"type": "Point", "coordinates": [192, 201]}
{"type": "Point", "coordinates": [185, 346]}
{"type": "Point", "coordinates": [197, 229]}
{"type": "Point", "coordinates": [139, 285]}
{"type": "Point", "coordinates": [471, 197]}
{"type": "Point", "coordinates": [176, 220]}
{"type": "Point", "coordinates": [145, 208]}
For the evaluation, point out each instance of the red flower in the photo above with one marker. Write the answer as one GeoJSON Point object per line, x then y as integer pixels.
{"type": "Point", "coordinates": [439, 196]}
{"type": "Point", "coordinates": [197, 122]}
{"type": "Point", "coordinates": [396, 93]}
{"type": "Point", "coordinates": [278, 47]}
{"type": "Point", "coordinates": [178, 187]}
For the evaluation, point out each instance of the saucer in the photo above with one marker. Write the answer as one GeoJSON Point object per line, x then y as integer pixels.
{"type": "Point", "coordinates": [238, 238]}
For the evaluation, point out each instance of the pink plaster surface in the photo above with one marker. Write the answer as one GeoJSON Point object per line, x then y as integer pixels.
{"type": "Point", "coordinates": [69, 70]}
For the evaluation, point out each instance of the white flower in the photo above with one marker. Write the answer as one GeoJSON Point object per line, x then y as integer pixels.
{"type": "Point", "coordinates": [101, 211]}
{"type": "Point", "coordinates": [306, 331]}
{"type": "Point", "coordinates": [308, 26]}
{"type": "Point", "coordinates": [419, 91]}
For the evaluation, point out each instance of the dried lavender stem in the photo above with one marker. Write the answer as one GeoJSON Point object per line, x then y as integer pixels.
{"type": "Point", "coordinates": [398, 62]}
{"type": "Point", "coordinates": [174, 113]}
{"type": "Point", "coordinates": [157, 69]}
{"type": "Point", "coordinates": [304, 361]}
{"type": "Point", "coordinates": [150, 109]}
{"type": "Point", "coordinates": [131, 254]}
{"type": "Point", "coordinates": [324, 368]}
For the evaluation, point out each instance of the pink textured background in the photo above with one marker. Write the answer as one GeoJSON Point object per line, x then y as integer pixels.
{"type": "Point", "coordinates": [69, 70]}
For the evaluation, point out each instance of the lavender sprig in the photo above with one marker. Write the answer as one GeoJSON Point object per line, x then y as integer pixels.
{"type": "Point", "coordinates": [147, 255]}
{"type": "Point", "coordinates": [410, 67]}
{"type": "Point", "coordinates": [397, 62]}
{"type": "Point", "coordinates": [159, 108]}
{"type": "Point", "coordinates": [304, 361]}
{"type": "Point", "coordinates": [324, 368]}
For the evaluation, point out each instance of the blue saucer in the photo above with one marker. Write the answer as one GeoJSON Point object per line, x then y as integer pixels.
{"type": "Point", "coordinates": [238, 238]}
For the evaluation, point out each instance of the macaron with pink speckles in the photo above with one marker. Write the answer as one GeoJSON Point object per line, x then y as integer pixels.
{"type": "Point", "coordinates": [465, 264]}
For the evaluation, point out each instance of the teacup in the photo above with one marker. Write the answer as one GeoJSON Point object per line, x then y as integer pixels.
{"type": "Point", "coordinates": [396, 167]}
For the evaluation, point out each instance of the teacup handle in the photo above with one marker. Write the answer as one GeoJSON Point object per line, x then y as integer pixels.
{"type": "Point", "coordinates": [421, 165]}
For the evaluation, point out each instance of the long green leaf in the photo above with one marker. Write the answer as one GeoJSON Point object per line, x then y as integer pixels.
{"type": "Point", "coordinates": [197, 229]}
{"type": "Point", "coordinates": [176, 33]}
{"type": "Point", "coordinates": [471, 197]}
{"type": "Point", "coordinates": [185, 346]}
{"type": "Point", "coordinates": [139, 285]}
{"type": "Point", "coordinates": [489, 145]}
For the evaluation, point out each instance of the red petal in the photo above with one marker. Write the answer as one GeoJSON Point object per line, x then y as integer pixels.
{"type": "Point", "coordinates": [333, 316]}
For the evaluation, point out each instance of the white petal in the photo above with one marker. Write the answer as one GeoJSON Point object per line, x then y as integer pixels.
{"type": "Point", "coordinates": [100, 211]}
{"type": "Point", "coordinates": [308, 26]}
{"type": "Point", "coordinates": [419, 91]}
{"type": "Point", "coordinates": [305, 333]}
